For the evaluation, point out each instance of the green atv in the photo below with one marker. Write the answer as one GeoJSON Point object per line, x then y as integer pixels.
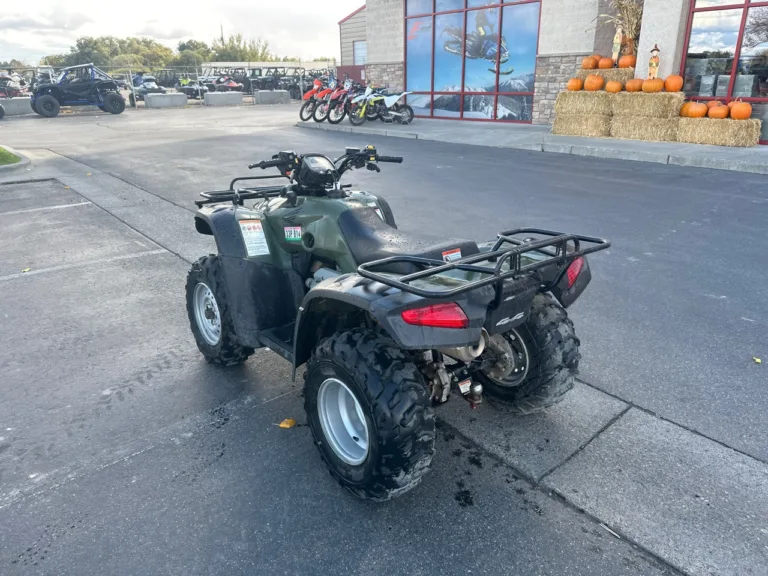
{"type": "Point", "coordinates": [387, 323]}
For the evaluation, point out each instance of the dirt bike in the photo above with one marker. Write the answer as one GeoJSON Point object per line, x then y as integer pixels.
{"type": "Point", "coordinates": [334, 102]}
{"type": "Point", "coordinates": [388, 324]}
{"type": "Point", "coordinates": [372, 105]}
{"type": "Point", "coordinates": [310, 100]}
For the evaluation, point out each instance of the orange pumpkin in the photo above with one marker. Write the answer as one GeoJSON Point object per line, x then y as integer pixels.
{"type": "Point", "coordinates": [628, 61]}
{"type": "Point", "coordinates": [741, 111]}
{"type": "Point", "coordinates": [605, 63]}
{"type": "Point", "coordinates": [575, 84]}
{"type": "Point", "coordinates": [594, 83]}
{"type": "Point", "coordinates": [697, 110]}
{"type": "Point", "coordinates": [719, 112]}
{"type": "Point", "coordinates": [685, 110]}
{"type": "Point", "coordinates": [732, 103]}
{"type": "Point", "coordinates": [589, 63]}
{"type": "Point", "coordinates": [597, 56]}
{"type": "Point", "coordinates": [634, 86]}
{"type": "Point", "coordinates": [613, 87]}
{"type": "Point", "coordinates": [653, 86]}
{"type": "Point", "coordinates": [713, 103]}
{"type": "Point", "coordinates": [673, 83]}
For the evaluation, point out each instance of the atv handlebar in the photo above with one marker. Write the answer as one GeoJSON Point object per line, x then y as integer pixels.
{"type": "Point", "coordinates": [264, 164]}
{"type": "Point", "coordinates": [394, 159]}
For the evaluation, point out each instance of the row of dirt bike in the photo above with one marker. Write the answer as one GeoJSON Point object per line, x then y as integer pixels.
{"type": "Point", "coordinates": [334, 102]}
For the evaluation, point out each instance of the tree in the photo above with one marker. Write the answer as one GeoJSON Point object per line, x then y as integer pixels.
{"type": "Point", "coordinates": [235, 48]}
{"type": "Point", "coordinates": [55, 60]}
{"type": "Point", "coordinates": [194, 46]}
{"type": "Point", "coordinates": [190, 59]}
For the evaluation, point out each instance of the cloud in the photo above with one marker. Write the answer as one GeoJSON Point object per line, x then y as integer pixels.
{"type": "Point", "coordinates": [57, 20]}
{"type": "Point", "coordinates": [160, 32]}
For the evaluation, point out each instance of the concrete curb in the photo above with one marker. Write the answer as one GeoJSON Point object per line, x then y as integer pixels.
{"type": "Point", "coordinates": [712, 162]}
{"type": "Point", "coordinates": [355, 130]}
{"type": "Point", "coordinates": [24, 161]}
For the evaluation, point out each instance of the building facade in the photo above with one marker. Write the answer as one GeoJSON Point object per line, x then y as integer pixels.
{"type": "Point", "coordinates": [506, 60]}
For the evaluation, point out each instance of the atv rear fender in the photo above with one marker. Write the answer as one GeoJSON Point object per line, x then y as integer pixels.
{"type": "Point", "coordinates": [346, 301]}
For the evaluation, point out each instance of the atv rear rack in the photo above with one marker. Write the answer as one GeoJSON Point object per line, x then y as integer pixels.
{"type": "Point", "coordinates": [562, 256]}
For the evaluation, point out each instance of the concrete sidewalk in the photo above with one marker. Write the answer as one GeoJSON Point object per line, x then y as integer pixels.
{"type": "Point", "coordinates": [539, 139]}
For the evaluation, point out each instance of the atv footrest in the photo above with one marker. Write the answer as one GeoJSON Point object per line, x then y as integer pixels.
{"type": "Point", "coordinates": [558, 249]}
{"type": "Point", "coordinates": [279, 339]}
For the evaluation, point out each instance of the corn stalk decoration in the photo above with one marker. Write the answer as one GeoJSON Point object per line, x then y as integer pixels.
{"type": "Point", "coordinates": [627, 15]}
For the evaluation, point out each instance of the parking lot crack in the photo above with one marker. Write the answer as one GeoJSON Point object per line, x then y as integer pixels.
{"type": "Point", "coordinates": [581, 448]}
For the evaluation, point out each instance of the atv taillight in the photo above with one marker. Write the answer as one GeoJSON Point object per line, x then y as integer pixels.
{"type": "Point", "coordinates": [437, 316]}
{"type": "Point", "coordinates": [574, 270]}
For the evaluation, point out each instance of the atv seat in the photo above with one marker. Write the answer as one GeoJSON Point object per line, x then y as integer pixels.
{"type": "Point", "coordinates": [370, 238]}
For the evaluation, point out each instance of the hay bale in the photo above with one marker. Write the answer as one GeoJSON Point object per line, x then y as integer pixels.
{"type": "Point", "coordinates": [642, 105]}
{"type": "Point", "coordinates": [622, 75]}
{"type": "Point", "coordinates": [727, 132]}
{"type": "Point", "coordinates": [648, 129]}
{"type": "Point", "coordinates": [591, 125]}
{"type": "Point", "coordinates": [583, 103]}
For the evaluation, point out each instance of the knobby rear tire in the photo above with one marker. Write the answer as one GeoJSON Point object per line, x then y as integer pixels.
{"type": "Point", "coordinates": [395, 403]}
{"type": "Point", "coordinates": [553, 360]}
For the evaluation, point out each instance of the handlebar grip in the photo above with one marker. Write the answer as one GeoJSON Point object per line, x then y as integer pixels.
{"type": "Point", "coordinates": [264, 164]}
{"type": "Point", "coordinates": [394, 159]}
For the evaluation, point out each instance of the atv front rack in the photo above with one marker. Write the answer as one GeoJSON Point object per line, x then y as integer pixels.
{"type": "Point", "coordinates": [237, 195]}
{"type": "Point", "coordinates": [559, 249]}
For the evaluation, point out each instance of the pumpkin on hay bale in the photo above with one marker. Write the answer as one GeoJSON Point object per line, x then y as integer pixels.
{"type": "Point", "coordinates": [640, 104]}
{"type": "Point", "coordinates": [648, 129]}
{"type": "Point", "coordinates": [622, 75]}
{"type": "Point", "coordinates": [583, 103]}
{"type": "Point", "coordinates": [588, 125]}
{"type": "Point", "coordinates": [716, 132]}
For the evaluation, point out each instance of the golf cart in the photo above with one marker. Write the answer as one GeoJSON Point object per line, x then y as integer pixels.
{"type": "Point", "coordinates": [83, 85]}
{"type": "Point", "coordinates": [388, 324]}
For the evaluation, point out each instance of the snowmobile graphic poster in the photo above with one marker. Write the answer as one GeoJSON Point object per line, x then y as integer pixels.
{"type": "Point", "coordinates": [486, 48]}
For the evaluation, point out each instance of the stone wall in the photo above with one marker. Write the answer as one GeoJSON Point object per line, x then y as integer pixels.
{"type": "Point", "coordinates": [552, 75]}
{"type": "Point", "coordinates": [386, 75]}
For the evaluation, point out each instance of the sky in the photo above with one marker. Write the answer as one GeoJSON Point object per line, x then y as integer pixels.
{"type": "Point", "coordinates": [300, 28]}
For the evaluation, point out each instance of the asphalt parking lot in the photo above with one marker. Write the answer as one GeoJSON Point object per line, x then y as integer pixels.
{"type": "Point", "coordinates": [122, 452]}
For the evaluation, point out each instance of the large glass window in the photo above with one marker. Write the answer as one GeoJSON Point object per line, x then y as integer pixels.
{"type": "Point", "coordinates": [418, 46]}
{"type": "Point", "coordinates": [727, 56]}
{"type": "Point", "coordinates": [449, 46]}
{"type": "Point", "coordinates": [479, 62]}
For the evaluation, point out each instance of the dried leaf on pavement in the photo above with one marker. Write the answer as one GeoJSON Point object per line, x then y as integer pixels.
{"type": "Point", "coordinates": [287, 423]}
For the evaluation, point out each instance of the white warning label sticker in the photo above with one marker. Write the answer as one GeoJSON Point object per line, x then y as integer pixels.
{"type": "Point", "coordinates": [451, 255]}
{"type": "Point", "coordinates": [465, 385]}
{"type": "Point", "coordinates": [253, 236]}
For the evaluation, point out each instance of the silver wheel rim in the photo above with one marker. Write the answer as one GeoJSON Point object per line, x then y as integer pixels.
{"type": "Point", "coordinates": [207, 314]}
{"type": "Point", "coordinates": [343, 422]}
{"type": "Point", "coordinates": [522, 360]}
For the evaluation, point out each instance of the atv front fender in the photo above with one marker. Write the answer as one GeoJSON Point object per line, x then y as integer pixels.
{"type": "Point", "coordinates": [338, 303]}
{"type": "Point", "coordinates": [219, 221]}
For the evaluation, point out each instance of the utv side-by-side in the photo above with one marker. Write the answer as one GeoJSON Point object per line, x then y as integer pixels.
{"type": "Point", "coordinates": [388, 324]}
{"type": "Point", "coordinates": [83, 85]}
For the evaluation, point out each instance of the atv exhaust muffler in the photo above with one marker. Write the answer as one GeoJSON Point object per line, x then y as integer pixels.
{"type": "Point", "coordinates": [468, 353]}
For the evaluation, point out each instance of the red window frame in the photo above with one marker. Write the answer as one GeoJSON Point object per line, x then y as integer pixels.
{"type": "Point", "coordinates": [745, 6]}
{"type": "Point", "coordinates": [464, 10]}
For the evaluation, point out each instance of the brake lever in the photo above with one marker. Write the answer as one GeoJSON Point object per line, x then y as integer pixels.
{"type": "Point", "coordinates": [373, 167]}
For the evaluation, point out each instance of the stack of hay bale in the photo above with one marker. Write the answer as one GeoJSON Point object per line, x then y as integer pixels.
{"type": "Point", "coordinates": [650, 117]}
{"type": "Point", "coordinates": [583, 114]}
{"type": "Point", "coordinates": [717, 132]}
